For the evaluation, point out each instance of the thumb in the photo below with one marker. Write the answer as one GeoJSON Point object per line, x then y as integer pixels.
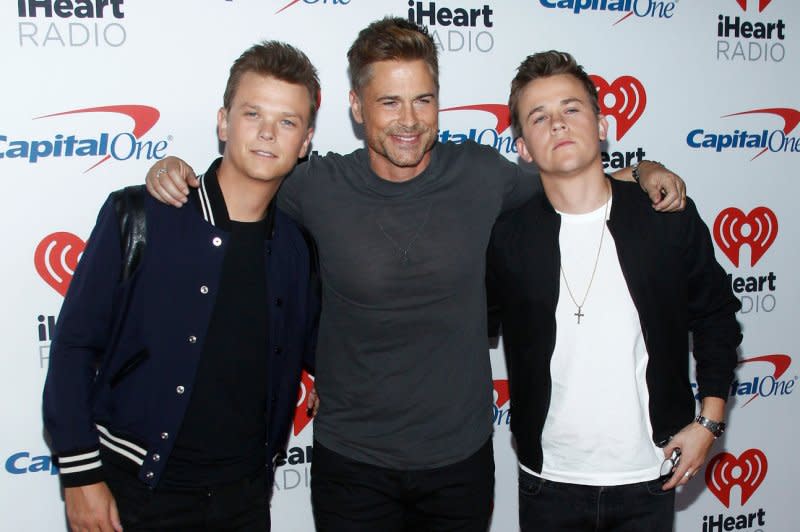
{"type": "Point", "coordinates": [670, 447]}
{"type": "Point", "coordinates": [191, 178]}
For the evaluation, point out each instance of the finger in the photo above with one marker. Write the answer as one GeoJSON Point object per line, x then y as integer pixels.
{"type": "Point", "coordinates": [113, 515]}
{"type": "Point", "coordinates": [311, 396]}
{"type": "Point", "coordinates": [175, 174]}
{"type": "Point", "coordinates": [174, 185]}
{"type": "Point", "coordinates": [168, 190]}
{"type": "Point", "coordinates": [155, 192]}
{"type": "Point", "coordinates": [670, 201]}
{"type": "Point", "coordinates": [191, 178]}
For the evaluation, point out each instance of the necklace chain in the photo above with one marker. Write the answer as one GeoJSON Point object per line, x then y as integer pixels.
{"type": "Point", "coordinates": [403, 251]}
{"type": "Point", "coordinates": [580, 314]}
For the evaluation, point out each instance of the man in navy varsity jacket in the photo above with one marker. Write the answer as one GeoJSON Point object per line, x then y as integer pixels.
{"type": "Point", "coordinates": [174, 368]}
{"type": "Point", "coordinates": [596, 293]}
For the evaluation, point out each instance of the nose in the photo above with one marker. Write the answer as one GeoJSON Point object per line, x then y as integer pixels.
{"type": "Point", "coordinates": [558, 123]}
{"type": "Point", "coordinates": [408, 117]}
{"type": "Point", "coordinates": [267, 130]}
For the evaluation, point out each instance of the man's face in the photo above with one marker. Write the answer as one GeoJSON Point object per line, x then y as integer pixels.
{"type": "Point", "coordinates": [399, 109]}
{"type": "Point", "coordinates": [266, 129]}
{"type": "Point", "coordinates": [560, 131]}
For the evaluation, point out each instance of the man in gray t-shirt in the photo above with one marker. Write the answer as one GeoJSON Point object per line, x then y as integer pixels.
{"type": "Point", "coordinates": [403, 435]}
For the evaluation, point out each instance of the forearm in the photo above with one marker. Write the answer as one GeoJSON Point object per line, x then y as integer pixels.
{"type": "Point", "coordinates": [713, 408]}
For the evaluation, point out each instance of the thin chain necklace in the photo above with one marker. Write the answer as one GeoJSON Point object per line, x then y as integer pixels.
{"type": "Point", "coordinates": [580, 314]}
{"type": "Point", "coordinates": [402, 252]}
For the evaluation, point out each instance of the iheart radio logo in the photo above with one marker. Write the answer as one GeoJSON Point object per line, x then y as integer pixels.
{"type": "Point", "coordinates": [733, 228]}
{"type": "Point", "coordinates": [725, 471]}
{"type": "Point", "coordinates": [501, 394]}
{"type": "Point", "coordinates": [628, 100]}
{"type": "Point", "coordinates": [762, 4]}
{"type": "Point", "coordinates": [56, 257]}
{"type": "Point", "coordinates": [301, 417]}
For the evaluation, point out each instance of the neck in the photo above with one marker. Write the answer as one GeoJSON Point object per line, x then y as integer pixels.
{"type": "Point", "coordinates": [246, 199]}
{"type": "Point", "coordinates": [389, 171]}
{"type": "Point", "coordinates": [578, 193]}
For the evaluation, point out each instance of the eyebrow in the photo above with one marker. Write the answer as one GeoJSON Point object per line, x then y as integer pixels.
{"type": "Point", "coordinates": [258, 108]}
{"type": "Point", "coordinates": [397, 97]}
{"type": "Point", "coordinates": [565, 101]}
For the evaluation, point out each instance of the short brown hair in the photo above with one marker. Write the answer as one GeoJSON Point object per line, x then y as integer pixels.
{"type": "Point", "coordinates": [387, 39]}
{"type": "Point", "coordinates": [278, 60]}
{"type": "Point", "coordinates": [544, 65]}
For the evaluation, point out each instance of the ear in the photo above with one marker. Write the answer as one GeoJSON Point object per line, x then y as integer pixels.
{"type": "Point", "coordinates": [602, 126]}
{"type": "Point", "coordinates": [522, 149]}
{"type": "Point", "coordinates": [355, 107]}
{"type": "Point", "coordinates": [306, 143]}
{"type": "Point", "coordinates": [222, 124]}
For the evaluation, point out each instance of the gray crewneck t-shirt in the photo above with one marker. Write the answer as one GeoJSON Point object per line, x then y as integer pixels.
{"type": "Point", "coordinates": [403, 371]}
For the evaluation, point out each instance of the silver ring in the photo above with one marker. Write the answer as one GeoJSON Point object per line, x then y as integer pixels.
{"type": "Point", "coordinates": [687, 474]}
{"type": "Point", "coordinates": [160, 172]}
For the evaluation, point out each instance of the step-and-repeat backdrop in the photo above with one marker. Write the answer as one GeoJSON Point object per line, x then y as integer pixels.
{"type": "Point", "coordinates": [95, 91]}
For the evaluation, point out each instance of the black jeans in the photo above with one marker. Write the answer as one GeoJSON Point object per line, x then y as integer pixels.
{"type": "Point", "coordinates": [355, 497]}
{"type": "Point", "coordinates": [241, 506]}
{"type": "Point", "coordinates": [546, 506]}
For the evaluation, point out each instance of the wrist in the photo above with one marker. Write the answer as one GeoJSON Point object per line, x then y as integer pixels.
{"type": "Point", "coordinates": [716, 428]}
{"type": "Point", "coordinates": [636, 168]}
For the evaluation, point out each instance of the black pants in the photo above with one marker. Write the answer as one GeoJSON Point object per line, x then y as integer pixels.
{"type": "Point", "coordinates": [355, 497]}
{"type": "Point", "coordinates": [546, 506]}
{"type": "Point", "coordinates": [241, 506]}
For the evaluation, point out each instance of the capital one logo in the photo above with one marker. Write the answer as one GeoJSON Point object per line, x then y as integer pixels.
{"type": "Point", "coordinates": [301, 417]}
{"type": "Point", "coordinates": [120, 145]}
{"type": "Point", "coordinates": [725, 471]}
{"type": "Point", "coordinates": [294, 2]}
{"type": "Point", "coordinates": [501, 413]}
{"type": "Point", "coordinates": [500, 113]}
{"type": "Point", "coordinates": [624, 99]}
{"type": "Point", "coordinates": [492, 129]}
{"type": "Point", "coordinates": [769, 385]}
{"type": "Point", "coordinates": [762, 4]}
{"type": "Point", "coordinates": [733, 228]}
{"type": "Point", "coordinates": [56, 258]}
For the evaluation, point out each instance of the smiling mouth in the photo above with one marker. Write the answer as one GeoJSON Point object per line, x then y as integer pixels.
{"type": "Point", "coordinates": [406, 139]}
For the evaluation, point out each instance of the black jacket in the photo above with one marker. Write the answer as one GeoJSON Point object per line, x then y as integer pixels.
{"type": "Point", "coordinates": [126, 350]}
{"type": "Point", "coordinates": [676, 285]}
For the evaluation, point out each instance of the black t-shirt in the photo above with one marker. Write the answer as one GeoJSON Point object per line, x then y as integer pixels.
{"type": "Point", "coordinates": [224, 431]}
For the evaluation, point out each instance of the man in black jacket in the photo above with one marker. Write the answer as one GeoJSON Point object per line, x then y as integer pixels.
{"type": "Point", "coordinates": [597, 293]}
{"type": "Point", "coordinates": [171, 387]}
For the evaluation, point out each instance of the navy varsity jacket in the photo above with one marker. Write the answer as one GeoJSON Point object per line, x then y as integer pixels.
{"type": "Point", "coordinates": [125, 352]}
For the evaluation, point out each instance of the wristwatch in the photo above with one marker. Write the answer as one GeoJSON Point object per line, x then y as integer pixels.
{"type": "Point", "coordinates": [715, 427]}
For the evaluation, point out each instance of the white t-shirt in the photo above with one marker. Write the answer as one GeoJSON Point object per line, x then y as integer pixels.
{"type": "Point", "coordinates": [597, 431]}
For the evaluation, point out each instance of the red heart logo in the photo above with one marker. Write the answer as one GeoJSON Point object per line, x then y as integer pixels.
{"type": "Point", "coordinates": [725, 471]}
{"type": "Point", "coordinates": [501, 393]}
{"type": "Point", "coordinates": [56, 257]}
{"type": "Point", "coordinates": [629, 97]}
{"type": "Point", "coordinates": [762, 4]}
{"type": "Point", "coordinates": [301, 417]}
{"type": "Point", "coordinates": [761, 226]}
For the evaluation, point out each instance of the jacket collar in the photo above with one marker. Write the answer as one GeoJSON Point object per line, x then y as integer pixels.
{"type": "Point", "coordinates": [211, 203]}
